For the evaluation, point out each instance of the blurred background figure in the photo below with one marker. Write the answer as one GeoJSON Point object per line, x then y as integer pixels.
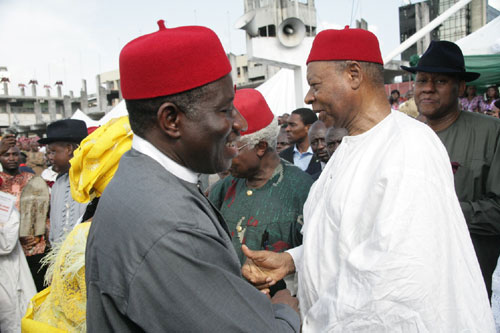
{"type": "Point", "coordinates": [496, 109]}
{"type": "Point", "coordinates": [13, 182]}
{"type": "Point", "coordinates": [22, 163]}
{"type": "Point", "coordinates": [16, 283]}
{"type": "Point", "coordinates": [409, 107]}
{"type": "Point", "coordinates": [282, 142]}
{"type": "Point", "coordinates": [300, 152]}
{"type": "Point", "coordinates": [491, 97]}
{"type": "Point", "coordinates": [334, 138]}
{"type": "Point", "coordinates": [317, 134]}
{"type": "Point", "coordinates": [35, 158]}
{"type": "Point", "coordinates": [471, 101]}
{"type": "Point", "coordinates": [283, 120]}
{"type": "Point", "coordinates": [395, 99]}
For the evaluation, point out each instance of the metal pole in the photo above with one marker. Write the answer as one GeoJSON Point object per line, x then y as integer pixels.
{"type": "Point", "coordinates": [425, 30]}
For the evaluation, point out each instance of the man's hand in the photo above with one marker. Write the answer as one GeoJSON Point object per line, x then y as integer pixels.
{"type": "Point", "coordinates": [284, 297]}
{"type": "Point", "coordinates": [264, 268]}
{"type": "Point", "coordinates": [29, 241]}
{"type": "Point", "coordinates": [8, 141]}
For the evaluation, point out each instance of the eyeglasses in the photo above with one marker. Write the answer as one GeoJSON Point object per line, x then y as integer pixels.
{"type": "Point", "coordinates": [240, 148]}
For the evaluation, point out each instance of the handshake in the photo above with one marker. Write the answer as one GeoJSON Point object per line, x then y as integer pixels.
{"type": "Point", "coordinates": [264, 268]}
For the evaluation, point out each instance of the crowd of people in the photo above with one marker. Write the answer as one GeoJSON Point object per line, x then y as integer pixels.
{"type": "Point", "coordinates": [202, 211]}
{"type": "Point", "coordinates": [469, 101]}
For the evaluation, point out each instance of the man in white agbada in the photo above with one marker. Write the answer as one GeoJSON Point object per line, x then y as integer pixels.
{"type": "Point", "coordinates": [16, 283]}
{"type": "Point", "coordinates": [385, 247]}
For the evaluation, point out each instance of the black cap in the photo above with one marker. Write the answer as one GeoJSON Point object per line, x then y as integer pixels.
{"type": "Point", "coordinates": [443, 57]}
{"type": "Point", "coordinates": [66, 130]}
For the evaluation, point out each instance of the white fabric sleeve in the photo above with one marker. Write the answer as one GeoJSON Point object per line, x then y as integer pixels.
{"type": "Point", "coordinates": [296, 254]}
{"type": "Point", "coordinates": [9, 233]}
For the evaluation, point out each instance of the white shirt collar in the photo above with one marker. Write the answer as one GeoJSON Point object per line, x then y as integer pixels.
{"type": "Point", "coordinates": [175, 168]}
{"type": "Point", "coordinates": [308, 151]}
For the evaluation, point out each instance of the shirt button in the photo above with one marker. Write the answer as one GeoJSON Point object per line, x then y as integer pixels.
{"type": "Point", "coordinates": [249, 192]}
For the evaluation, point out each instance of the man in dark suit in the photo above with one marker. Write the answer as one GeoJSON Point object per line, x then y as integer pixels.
{"type": "Point", "coordinates": [300, 153]}
{"type": "Point", "coordinates": [159, 256]}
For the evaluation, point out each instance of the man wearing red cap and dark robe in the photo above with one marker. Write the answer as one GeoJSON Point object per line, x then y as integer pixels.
{"type": "Point", "coordinates": [385, 243]}
{"type": "Point", "coordinates": [159, 256]}
{"type": "Point", "coordinates": [472, 141]}
{"type": "Point", "coordinates": [263, 199]}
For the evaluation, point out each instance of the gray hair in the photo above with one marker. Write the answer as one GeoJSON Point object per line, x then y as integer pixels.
{"type": "Point", "coordinates": [268, 134]}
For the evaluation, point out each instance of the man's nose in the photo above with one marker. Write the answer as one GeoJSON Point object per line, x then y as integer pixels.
{"type": "Point", "coordinates": [309, 99]}
{"type": "Point", "coordinates": [239, 124]}
{"type": "Point", "coordinates": [429, 85]}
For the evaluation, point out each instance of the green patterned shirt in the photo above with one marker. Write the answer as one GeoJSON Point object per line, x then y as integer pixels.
{"type": "Point", "coordinates": [269, 217]}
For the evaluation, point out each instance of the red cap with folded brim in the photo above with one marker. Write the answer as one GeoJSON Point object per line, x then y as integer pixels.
{"type": "Point", "coordinates": [346, 44]}
{"type": "Point", "coordinates": [253, 107]}
{"type": "Point", "coordinates": [171, 61]}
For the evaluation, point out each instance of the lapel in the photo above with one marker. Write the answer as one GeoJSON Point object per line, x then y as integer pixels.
{"type": "Point", "coordinates": [314, 166]}
{"type": "Point", "coordinates": [287, 154]}
{"type": "Point", "coordinates": [222, 223]}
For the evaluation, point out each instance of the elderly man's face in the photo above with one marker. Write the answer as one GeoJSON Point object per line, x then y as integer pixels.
{"type": "Point", "coordinates": [329, 91]}
{"type": "Point", "coordinates": [436, 94]}
{"type": "Point", "coordinates": [317, 135]}
{"type": "Point", "coordinates": [247, 163]}
{"type": "Point", "coordinates": [209, 138]}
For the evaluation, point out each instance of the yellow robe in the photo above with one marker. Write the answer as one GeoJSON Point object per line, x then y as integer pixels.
{"type": "Point", "coordinates": [62, 306]}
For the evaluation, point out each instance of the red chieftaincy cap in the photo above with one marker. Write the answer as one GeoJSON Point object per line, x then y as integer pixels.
{"type": "Point", "coordinates": [346, 44]}
{"type": "Point", "coordinates": [253, 107]}
{"type": "Point", "coordinates": [171, 61]}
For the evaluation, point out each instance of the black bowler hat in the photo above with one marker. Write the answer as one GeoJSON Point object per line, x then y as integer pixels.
{"type": "Point", "coordinates": [443, 57]}
{"type": "Point", "coordinates": [66, 130]}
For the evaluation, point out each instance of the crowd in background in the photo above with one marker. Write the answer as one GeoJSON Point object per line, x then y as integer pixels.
{"type": "Point", "coordinates": [487, 103]}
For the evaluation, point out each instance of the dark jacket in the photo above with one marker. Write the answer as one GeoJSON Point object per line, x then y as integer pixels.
{"type": "Point", "coordinates": [313, 167]}
{"type": "Point", "coordinates": [159, 258]}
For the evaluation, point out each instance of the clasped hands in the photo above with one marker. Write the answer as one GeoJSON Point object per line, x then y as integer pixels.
{"type": "Point", "coordinates": [264, 268]}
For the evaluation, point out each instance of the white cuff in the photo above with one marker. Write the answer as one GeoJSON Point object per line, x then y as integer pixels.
{"type": "Point", "coordinates": [296, 254]}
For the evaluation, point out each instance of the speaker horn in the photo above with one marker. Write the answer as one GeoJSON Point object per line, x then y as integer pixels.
{"type": "Point", "coordinates": [247, 23]}
{"type": "Point", "coordinates": [291, 32]}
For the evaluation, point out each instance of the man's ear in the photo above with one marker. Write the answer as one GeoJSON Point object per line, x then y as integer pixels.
{"type": "Point", "coordinates": [70, 149]}
{"type": "Point", "coordinates": [308, 127]}
{"type": "Point", "coordinates": [461, 87]}
{"type": "Point", "coordinates": [261, 148]}
{"type": "Point", "coordinates": [169, 117]}
{"type": "Point", "coordinates": [355, 74]}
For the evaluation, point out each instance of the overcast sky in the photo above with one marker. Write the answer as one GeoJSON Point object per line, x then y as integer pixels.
{"type": "Point", "coordinates": [68, 40]}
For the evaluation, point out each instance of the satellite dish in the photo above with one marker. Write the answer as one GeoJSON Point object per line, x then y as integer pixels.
{"type": "Point", "coordinates": [247, 23]}
{"type": "Point", "coordinates": [291, 32]}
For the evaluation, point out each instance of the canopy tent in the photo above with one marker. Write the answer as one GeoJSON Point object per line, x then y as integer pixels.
{"type": "Point", "coordinates": [279, 92]}
{"type": "Point", "coordinates": [79, 115]}
{"type": "Point", "coordinates": [487, 65]}
{"type": "Point", "coordinates": [485, 40]}
{"type": "Point", "coordinates": [118, 111]}
{"type": "Point", "coordinates": [481, 51]}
